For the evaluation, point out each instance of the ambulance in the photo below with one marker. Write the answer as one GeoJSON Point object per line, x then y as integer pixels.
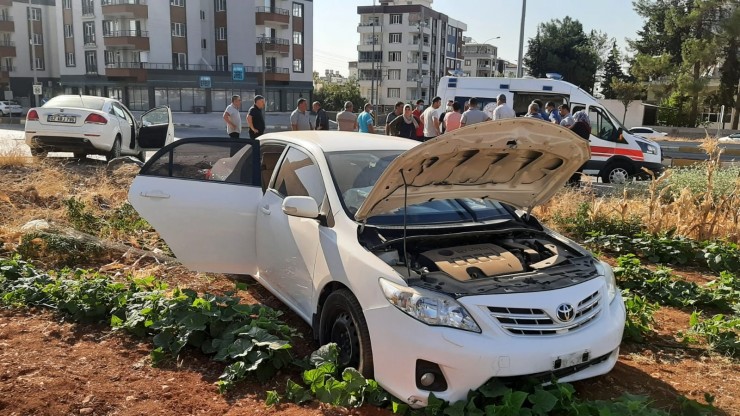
{"type": "Point", "coordinates": [616, 155]}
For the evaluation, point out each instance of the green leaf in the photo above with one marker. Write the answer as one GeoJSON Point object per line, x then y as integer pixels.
{"type": "Point", "coordinates": [273, 398]}
{"type": "Point", "coordinates": [116, 322]}
{"type": "Point", "coordinates": [240, 348]}
{"type": "Point", "coordinates": [355, 381]}
{"type": "Point", "coordinates": [297, 394]}
{"type": "Point", "coordinates": [493, 389]}
{"type": "Point", "coordinates": [326, 354]}
{"type": "Point", "coordinates": [456, 409]}
{"type": "Point", "coordinates": [434, 405]}
{"type": "Point", "coordinates": [542, 401]}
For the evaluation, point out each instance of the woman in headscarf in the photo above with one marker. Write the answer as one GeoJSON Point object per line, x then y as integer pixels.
{"type": "Point", "coordinates": [581, 127]}
{"type": "Point", "coordinates": [406, 124]}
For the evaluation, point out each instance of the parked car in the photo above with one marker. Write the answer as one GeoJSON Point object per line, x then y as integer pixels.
{"type": "Point", "coordinates": [84, 124]}
{"type": "Point", "coordinates": [732, 138]}
{"type": "Point", "coordinates": [648, 133]}
{"type": "Point", "coordinates": [420, 260]}
{"type": "Point", "coordinates": [8, 108]}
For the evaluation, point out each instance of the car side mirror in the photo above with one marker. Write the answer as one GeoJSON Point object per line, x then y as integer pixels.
{"type": "Point", "coordinates": [301, 206]}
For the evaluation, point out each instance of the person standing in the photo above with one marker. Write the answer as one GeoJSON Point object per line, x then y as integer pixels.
{"type": "Point", "coordinates": [533, 111]}
{"type": "Point", "coordinates": [365, 120]}
{"type": "Point", "coordinates": [473, 115]}
{"type": "Point", "coordinates": [417, 113]}
{"type": "Point", "coordinates": [232, 118]}
{"type": "Point", "coordinates": [347, 120]}
{"type": "Point", "coordinates": [397, 111]}
{"type": "Point", "coordinates": [322, 120]}
{"type": "Point", "coordinates": [299, 118]}
{"type": "Point", "coordinates": [255, 118]}
{"type": "Point", "coordinates": [454, 118]}
{"type": "Point", "coordinates": [566, 120]}
{"type": "Point", "coordinates": [448, 109]}
{"type": "Point", "coordinates": [581, 127]}
{"type": "Point", "coordinates": [543, 113]}
{"type": "Point", "coordinates": [502, 110]}
{"type": "Point", "coordinates": [552, 113]}
{"type": "Point", "coordinates": [406, 124]}
{"type": "Point", "coordinates": [430, 119]}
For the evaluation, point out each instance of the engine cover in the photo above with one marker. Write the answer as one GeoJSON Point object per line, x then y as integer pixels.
{"type": "Point", "coordinates": [472, 261]}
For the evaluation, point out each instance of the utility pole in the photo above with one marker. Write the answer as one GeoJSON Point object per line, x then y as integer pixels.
{"type": "Point", "coordinates": [264, 71]}
{"type": "Point", "coordinates": [33, 49]}
{"type": "Point", "coordinates": [422, 23]}
{"type": "Point", "coordinates": [520, 64]}
{"type": "Point", "coordinates": [372, 80]}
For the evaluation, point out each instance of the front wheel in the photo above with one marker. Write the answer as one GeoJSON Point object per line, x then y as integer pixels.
{"type": "Point", "coordinates": [617, 172]}
{"type": "Point", "coordinates": [115, 151]}
{"type": "Point", "coordinates": [343, 323]}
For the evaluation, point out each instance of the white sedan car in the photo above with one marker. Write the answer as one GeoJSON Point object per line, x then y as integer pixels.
{"type": "Point", "coordinates": [84, 124]}
{"type": "Point", "coordinates": [420, 260]}
{"type": "Point", "coordinates": [8, 108]}
{"type": "Point", "coordinates": [732, 138]}
{"type": "Point", "coordinates": [648, 133]}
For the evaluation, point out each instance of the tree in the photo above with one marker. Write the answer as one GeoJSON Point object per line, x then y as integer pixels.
{"type": "Point", "coordinates": [729, 83]}
{"type": "Point", "coordinates": [561, 46]}
{"type": "Point", "coordinates": [332, 96]}
{"type": "Point", "coordinates": [612, 70]}
{"type": "Point", "coordinates": [626, 92]}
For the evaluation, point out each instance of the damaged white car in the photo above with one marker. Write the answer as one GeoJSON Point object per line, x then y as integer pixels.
{"type": "Point", "coordinates": [420, 260]}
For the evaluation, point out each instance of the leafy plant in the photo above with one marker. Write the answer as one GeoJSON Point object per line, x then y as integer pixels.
{"type": "Point", "coordinates": [639, 317]}
{"type": "Point", "coordinates": [721, 332]}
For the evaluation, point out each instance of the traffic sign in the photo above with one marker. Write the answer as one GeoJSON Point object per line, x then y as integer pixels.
{"type": "Point", "coordinates": [37, 90]}
{"type": "Point", "coordinates": [205, 81]}
{"type": "Point", "coordinates": [237, 72]}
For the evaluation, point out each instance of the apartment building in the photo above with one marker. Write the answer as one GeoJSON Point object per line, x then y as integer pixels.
{"type": "Point", "coordinates": [189, 54]}
{"type": "Point", "coordinates": [480, 60]}
{"type": "Point", "coordinates": [405, 48]}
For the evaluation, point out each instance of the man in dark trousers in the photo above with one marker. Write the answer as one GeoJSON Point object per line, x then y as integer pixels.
{"type": "Point", "coordinates": [256, 118]}
{"type": "Point", "coordinates": [397, 111]}
{"type": "Point", "coordinates": [322, 120]}
{"type": "Point", "coordinates": [232, 118]}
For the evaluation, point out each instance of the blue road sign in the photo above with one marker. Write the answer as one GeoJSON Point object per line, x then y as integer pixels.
{"type": "Point", "coordinates": [237, 72]}
{"type": "Point", "coordinates": [205, 81]}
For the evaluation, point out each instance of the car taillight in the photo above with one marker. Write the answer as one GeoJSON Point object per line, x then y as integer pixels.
{"type": "Point", "coordinates": [96, 119]}
{"type": "Point", "coordinates": [32, 116]}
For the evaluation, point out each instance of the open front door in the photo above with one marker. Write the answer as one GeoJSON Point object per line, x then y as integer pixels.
{"type": "Point", "coordinates": [202, 196]}
{"type": "Point", "coordinates": [156, 129]}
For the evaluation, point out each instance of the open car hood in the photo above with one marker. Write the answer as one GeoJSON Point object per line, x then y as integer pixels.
{"type": "Point", "coordinates": [520, 162]}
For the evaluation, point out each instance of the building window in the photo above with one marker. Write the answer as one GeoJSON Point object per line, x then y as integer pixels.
{"type": "Point", "coordinates": [178, 29]}
{"type": "Point", "coordinates": [394, 74]}
{"type": "Point", "coordinates": [109, 57]}
{"type": "Point", "coordinates": [297, 65]}
{"type": "Point", "coordinates": [70, 59]}
{"type": "Point", "coordinates": [202, 15]}
{"type": "Point", "coordinates": [91, 62]}
{"type": "Point", "coordinates": [394, 93]}
{"type": "Point", "coordinates": [34, 14]}
{"type": "Point", "coordinates": [88, 7]}
{"type": "Point", "coordinates": [107, 28]}
{"type": "Point", "coordinates": [298, 38]}
{"type": "Point", "coordinates": [179, 61]}
{"type": "Point", "coordinates": [203, 43]}
{"type": "Point", "coordinates": [88, 33]}
{"type": "Point", "coordinates": [220, 5]}
{"type": "Point", "coordinates": [67, 4]}
{"type": "Point", "coordinates": [179, 3]}
{"type": "Point", "coordinates": [222, 63]}
{"type": "Point", "coordinates": [297, 10]}
{"type": "Point", "coordinates": [37, 39]}
{"type": "Point", "coordinates": [221, 33]}
{"type": "Point", "coordinates": [39, 63]}
{"type": "Point", "coordinates": [467, 62]}
{"type": "Point", "coordinates": [394, 56]}
{"type": "Point", "coordinates": [394, 37]}
{"type": "Point", "coordinates": [396, 19]}
{"type": "Point", "coordinates": [68, 33]}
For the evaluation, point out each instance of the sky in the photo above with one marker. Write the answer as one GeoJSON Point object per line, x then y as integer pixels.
{"type": "Point", "coordinates": [336, 37]}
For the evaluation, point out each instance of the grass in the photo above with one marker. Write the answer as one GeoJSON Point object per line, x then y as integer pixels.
{"type": "Point", "coordinates": [15, 155]}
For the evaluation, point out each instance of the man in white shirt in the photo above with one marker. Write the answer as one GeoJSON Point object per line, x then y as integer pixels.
{"type": "Point", "coordinates": [430, 119]}
{"type": "Point", "coordinates": [502, 110]}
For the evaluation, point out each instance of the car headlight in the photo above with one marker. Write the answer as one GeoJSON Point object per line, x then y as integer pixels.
{"type": "Point", "coordinates": [647, 147]}
{"type": "Point", "coordinates": [428, 307]}
{"type": "Point", "coordinates": [611, 282]}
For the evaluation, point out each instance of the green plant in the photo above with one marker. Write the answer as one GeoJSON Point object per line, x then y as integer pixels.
{"type": "Point", "coordinates": [721, 332]}
{"type": "Point", "coordinates": [59, 250]}
{"type": "Point", "coordinates": [640, 318]}
{"type": "Point", "coordinates": [81, 218]}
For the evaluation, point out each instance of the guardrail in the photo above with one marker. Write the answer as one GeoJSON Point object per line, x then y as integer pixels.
{"type": "Point", "coordinates": [120, 2]}
{"type": "Point", "coordinates": [273, 10]}
{"type": "Point", "coordinates": [126, 33]}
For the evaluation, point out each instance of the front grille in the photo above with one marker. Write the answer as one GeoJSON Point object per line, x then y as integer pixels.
{"type": "Point", "coordinates": [534, 321]}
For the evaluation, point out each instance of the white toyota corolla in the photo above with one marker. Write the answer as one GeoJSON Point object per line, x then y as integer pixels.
{"type": "Point", "coordinates": [420, 261]}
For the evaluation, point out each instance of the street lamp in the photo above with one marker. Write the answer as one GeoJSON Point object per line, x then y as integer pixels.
{"type": "Point", "coordinates": [519, 68]}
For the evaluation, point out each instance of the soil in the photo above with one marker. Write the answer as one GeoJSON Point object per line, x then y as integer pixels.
{"type": "Point", "coordinates": [49, 366]}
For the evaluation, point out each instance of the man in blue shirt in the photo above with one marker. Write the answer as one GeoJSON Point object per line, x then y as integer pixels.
{"type": "Point", "coordinates": [552, 113]}
{"type": "Point", "coordinates": [365, 120]}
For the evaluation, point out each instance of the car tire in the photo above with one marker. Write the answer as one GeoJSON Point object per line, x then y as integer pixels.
{"type": "Point", "coordinates": [617, 172]}
{"type": "Point", "coordinates": [38, 152]}
{"type": "Point", "coordinates": [342, 322]}
{"type": "Point", "coordinates": [115, 151]}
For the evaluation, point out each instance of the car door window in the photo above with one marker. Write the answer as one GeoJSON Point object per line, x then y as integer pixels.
{"type": "Point", "coordinates": [601, 125]}
{"type": "Point", "coordinates": [156, 116]}
{"type": "Point", "coordinates": [299, 176]}
{"type": "Point", "coordinates": [221, 160]}
{"type": "Point", "coordinates": [120, 112]}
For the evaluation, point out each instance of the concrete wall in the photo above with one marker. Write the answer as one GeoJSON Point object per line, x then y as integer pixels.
{"type": "Point", "coordinates": [635, 112]}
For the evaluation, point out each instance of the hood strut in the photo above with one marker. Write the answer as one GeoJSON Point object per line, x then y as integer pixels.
{"type": "Point", "coordinates": [405, 214]}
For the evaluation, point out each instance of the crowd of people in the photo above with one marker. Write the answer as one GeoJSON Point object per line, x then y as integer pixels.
{"type": "Point", "coordinates": [416, 123]}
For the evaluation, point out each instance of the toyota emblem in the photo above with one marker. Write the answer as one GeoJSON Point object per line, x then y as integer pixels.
{"type": "Point", "coordinates": [565, 312]}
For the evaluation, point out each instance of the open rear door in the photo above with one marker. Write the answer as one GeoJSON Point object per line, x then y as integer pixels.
{"type": "Point", "coordinates": [202, 195]}
{"type": "Point", "coordinates": [156, 129]}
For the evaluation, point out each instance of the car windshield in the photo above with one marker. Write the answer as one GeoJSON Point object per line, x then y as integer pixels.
{"type": "Point", "coordinates": [355, 174]}
{"type": "Point", "coordinates": [76, 101]}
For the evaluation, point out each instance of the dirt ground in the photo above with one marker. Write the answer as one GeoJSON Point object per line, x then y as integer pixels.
{"type": "Point", "coordinates": [52, 367]}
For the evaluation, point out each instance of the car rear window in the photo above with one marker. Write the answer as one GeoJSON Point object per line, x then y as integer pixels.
{"type": "Point", "coordinates": [76, 101]}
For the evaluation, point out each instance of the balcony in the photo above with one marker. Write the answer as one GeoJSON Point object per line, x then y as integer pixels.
{"type": "Point", "coordinates": [7, 48]}
{"type": "Point", "coordinates": [130, 9]}
{"type": "Point", "coordinates": [136, 39]}
{"type": "Point", "coordinates": [6, 3]}
{"type": "Point", "coordinates": [368, 27]}
{"type": "Point", "coordinates": [274, 74]}
{"type": "Point", "coordinates": [6, 24]}
{"type": "Point", "coordinates": [269, 44]}
{"type": "Point", "coordinates": [266, 15]}
{"type": "Point", "coordinates": [133, 70]}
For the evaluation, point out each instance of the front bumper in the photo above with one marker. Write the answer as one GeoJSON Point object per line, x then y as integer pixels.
{"type": "Point", "coordinates": [467, 360]}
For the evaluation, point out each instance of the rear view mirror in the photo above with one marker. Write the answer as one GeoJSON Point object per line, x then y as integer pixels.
{"type": "Point", "coordinates": [301, 206]}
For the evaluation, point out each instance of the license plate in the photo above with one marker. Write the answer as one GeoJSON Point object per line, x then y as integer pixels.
{"type": "Point", "coordinates": [569, 360]}
{"type": "Point", "coordinates": [56, 118]}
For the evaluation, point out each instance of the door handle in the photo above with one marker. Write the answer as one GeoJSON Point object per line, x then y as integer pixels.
{"type": "Point", "coordinates": [265, 210]}
{"type": "Point", "coordinates": [155, 194]}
